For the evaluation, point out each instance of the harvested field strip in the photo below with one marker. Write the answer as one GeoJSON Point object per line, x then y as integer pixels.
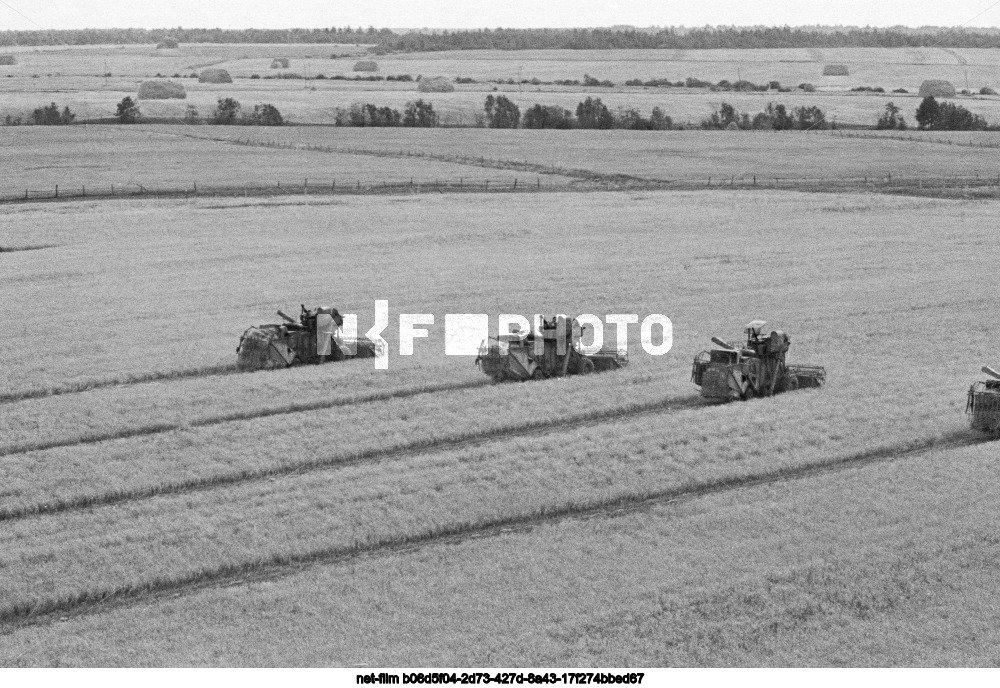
{"type": "Point", "coordinates": [100, 598]}
{"type": "Point", "coordinates": [87, 385]}
{"type": "Point", "coordinates": [430, 445]}
{"type": "Point", "coordinates": [156, 428]}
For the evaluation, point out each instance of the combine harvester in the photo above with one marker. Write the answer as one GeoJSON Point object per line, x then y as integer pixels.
{"type": "Point", "coordinates": [758, 369]}
{"type": "Point", "coordinates": [984, 403]}
{"type": "Point", "coordinates": [553, 351]}
{"type": "Point", "coordinates": [313, 339]}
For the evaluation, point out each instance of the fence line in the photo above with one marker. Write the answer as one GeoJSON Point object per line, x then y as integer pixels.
{"type": "Point", "coordinates": [982, 185]}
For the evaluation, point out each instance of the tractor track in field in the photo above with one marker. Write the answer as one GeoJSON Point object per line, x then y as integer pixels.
{"type": "Point", "coordinates": [339, 461]}
{"type": "Point", "coordinates": [289, 409]}
{"type": "Point", "coordinates": [20, 615]}
{"type": "Point", "coordinates": [143, 378]}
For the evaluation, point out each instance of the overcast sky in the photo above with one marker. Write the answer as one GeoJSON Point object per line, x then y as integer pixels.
{"type": "Point", "coordinates": [76, 14]}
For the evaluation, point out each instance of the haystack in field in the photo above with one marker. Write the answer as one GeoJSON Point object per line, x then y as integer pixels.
{"type": "Point", "coordinates": [365, 66]}
{"type": "Point", "coordinates": [167, 43]}
{"type": "Point", "coordinates": [7, 60]}
{"type": "Point", "coordinates": [280, 63]}
{"type": "Point", "coordinates": [939, 88]}
{"type": "Point", "coordinates": [161, 90]}
{"type": "Point", "coordinates": [214, 76]}
{"type": "Point", "coordinates": [836, 70]}
{"type": "Point", "coordinates": [437, 84]}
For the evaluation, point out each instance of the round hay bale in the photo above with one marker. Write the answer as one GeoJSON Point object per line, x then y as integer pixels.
{"type": "Point", "coordinates": [939, 88]}
{"type": "Point", "coordinates": [161, 90]}
{"type": "Point", "coordinates": [214, 76]}
{"type": "Point", "coordinates": [733, 126]}
{"type": "Point", "coordinates": [836, 70]}
{"type": "Point", "coordinates": [365, 66]}
{"type": "Point", "coordinates": [437, 84]}
{"type": "Point", "coordinates": [280, 63]}
{"type": "Point", "coordinates": [167, 43]}
{"type": "Point", "coordinates": [7, 60]}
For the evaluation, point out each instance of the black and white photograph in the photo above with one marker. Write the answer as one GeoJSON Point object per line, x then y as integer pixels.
{"type": "Point", "coordinates": [467, 342]}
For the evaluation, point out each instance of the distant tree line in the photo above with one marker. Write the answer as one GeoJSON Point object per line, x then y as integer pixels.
{"type": "Point", "coordinates": [226, 111]}
{"type": "Point", "coordinates": [138, 36]}
{"type": "Point", "coordinates": [688, 39]}
{"type": "Point", "coordinates": [535, 39]}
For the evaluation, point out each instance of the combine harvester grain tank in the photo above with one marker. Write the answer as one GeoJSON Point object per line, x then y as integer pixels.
{"type": "Point", "coordinates": [984, 403]}
{"type": "Point", "coordinates": [553, 350]}
{"type": "Point", "coordinates": [756, 369]}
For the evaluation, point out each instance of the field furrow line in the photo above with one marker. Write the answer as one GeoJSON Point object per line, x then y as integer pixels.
{"type": "Point", "coordinates": [468, 160]}
{"type": "Point", "coordinates": [279, 565]}
{"type": "Point", "coordinates": [337, 461]}
{"type": "Point", "coordinates": [288, 409]}
{"type": "Point", "coordinates": [127, 380]}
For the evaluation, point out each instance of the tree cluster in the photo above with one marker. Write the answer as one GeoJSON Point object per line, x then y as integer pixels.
{"type": "Point", "coordinates": [51, 115]}
{"type": "Point", "coordinates": [774, 116]}
{"type": "Point", "coordinates": [417, 113]}
{"type": "Point", "coordinates": [945, 116]}
{"type": "Point", "coordinates": [591, 113]}
{"type": "Point", "coordinates": [891, 119]}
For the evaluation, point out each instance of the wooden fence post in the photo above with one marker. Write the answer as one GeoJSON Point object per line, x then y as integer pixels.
{"type": "Point", "coordinates": [196, 188]}
{"type": "Point", "coordinates": [305, 187]}
{"type": "Point", "coordinates": [57, 191]}
{"type": "Point", "coordinates": [515, 183]}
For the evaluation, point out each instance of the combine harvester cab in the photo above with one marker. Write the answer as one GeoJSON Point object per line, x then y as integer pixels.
{"type": "Point", "coordinates": [984, 403]}
{"type": "Point", "coordinates": [553, 351]}
{"type": "Point", "coordinates": [758, 369]}
{"type": "Point", "coordinates": [313, 339]}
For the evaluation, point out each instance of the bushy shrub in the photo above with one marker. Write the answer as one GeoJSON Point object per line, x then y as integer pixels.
{"type": "Point", "coordinates": [591, 81]}
{"type": "Point", "coordinates": [899, 90]}
{"type": "Point", "coordinates": [987, 91]}
{"type": "Point", "coordinates": [691, 82]}
{"type": "Point", "coordinates": [265, 115]}
{"type": "Point", "coordinates": [547, 117]}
